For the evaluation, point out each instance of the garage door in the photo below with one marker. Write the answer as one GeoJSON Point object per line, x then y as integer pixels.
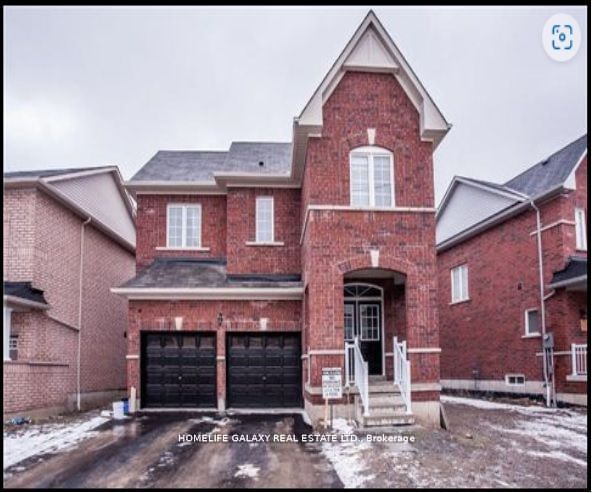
{"type": "Point", "coordinates": [263, 370]}
{"type": "Point", "coordinates": [178, 369]}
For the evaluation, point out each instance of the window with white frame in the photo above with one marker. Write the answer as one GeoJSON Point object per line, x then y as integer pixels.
{"type": "Point", "coordinates": [459, 279]}
{"type": "Point", "coordinates": [369, 322]}
{"type": "Point", "coordinates": [581, 239]}
{"type": "Point", "coordinates": [184, 226]}
{"type": "Point", "coordinates": [348, 321]}
{"type": "Point", "coordinates": [532, 322]}
{"type": "Point", "coordinates": [264, 220]}
{"type": "Point", "coordinates": [515, 379]}
{"type": "Point", "coordinates": [371, 177]}
{"type": "Point", "coordinates": [13, 347]}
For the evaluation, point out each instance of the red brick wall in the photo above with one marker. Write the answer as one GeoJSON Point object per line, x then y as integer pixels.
{"type": "Point", "coordinates": [151, 226]}
{"type": "Point", "coordinates": [338, 242]}
{"type": "Point", "coordinates": [486, 332]}
{"type": "Point", "coordinates": [243, 258]}
{"type": "Point", "coordinates": [45, 373]}
{"type": "Point", "coordinates": [18, 240]}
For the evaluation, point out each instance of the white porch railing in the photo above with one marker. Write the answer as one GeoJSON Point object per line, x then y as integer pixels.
{"type": "Point", "coordinates": [579, 359]}
{"type": "Point", "coordinates": [402, 372]}
{"type": "Point", "coordinates": [356, 372]}
{"type": "Point", "coordinates": [349, 364]}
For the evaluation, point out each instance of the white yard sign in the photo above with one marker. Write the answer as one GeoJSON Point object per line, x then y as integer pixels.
{"type": "Point", "coordinates": [332, 388]}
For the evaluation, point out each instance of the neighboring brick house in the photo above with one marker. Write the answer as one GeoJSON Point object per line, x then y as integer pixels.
{"type": "Point", "coordinates": [69, 236]}
{"type": "Point", "coordinates": [261, 265]}
{"type": "Point", "coordinates": [491, 316]}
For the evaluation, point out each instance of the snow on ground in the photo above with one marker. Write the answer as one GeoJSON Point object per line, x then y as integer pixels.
{"type": "Point", "coordinates": [247, 471]}
{"type": "Point", "coordinates": [47, 439]}
{"type": "Point", "coordinates": [554, 429]}
{"type": "Point", "coordinates": [348, 457]}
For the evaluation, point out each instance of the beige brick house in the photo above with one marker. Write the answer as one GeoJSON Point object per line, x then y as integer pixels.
{"type": "Point", "coordinates": [69, 235]}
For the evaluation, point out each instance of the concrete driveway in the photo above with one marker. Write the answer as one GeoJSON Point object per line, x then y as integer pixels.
{"type": "Point", "coordinates": [146, 452]}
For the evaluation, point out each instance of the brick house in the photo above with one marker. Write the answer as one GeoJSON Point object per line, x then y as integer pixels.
{"type": "Point", "coordinates": [69, 235]}
{"type": "Point", "coordinates": [495, 309]}
{"type": "Point", "coordinates": [261, 265]}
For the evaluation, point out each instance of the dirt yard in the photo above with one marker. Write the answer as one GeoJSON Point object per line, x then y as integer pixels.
{"type": "Point", "coordinates": [489, 445]}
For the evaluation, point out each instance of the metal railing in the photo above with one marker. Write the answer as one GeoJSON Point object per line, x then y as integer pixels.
{"type": "Point", "coordinates": [579, 359]}
{"type": "Point", "coordinates": [402, 372]}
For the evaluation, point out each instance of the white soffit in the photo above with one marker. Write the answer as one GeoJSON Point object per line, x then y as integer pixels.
{"type": "Point", "coordinates": [372, 49]}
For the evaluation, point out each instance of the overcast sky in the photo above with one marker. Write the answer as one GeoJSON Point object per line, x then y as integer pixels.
{"type": "Point", "coordinates": [93, 86]}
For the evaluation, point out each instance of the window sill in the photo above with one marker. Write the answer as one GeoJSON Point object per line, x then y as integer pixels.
{"type": "Point", "coordinates": [577, 378]}
{"type": "Point", "coordinates": [183, 249]}
{"type": "Point", "coordinates": [531, 336]}
{"type": "Point", "coordinates": [264, 243]}
{"type": "Point", "coordinates": [459, 302]}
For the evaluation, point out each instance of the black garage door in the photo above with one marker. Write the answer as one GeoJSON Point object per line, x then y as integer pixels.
{"type": "Point", "coordinates": [178, 369]}
{"type": "Point", "coordinates": [263, 370]}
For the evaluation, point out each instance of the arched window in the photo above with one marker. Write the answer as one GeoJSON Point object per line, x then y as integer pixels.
{"type": "Point", "coordinates": [371, 177]}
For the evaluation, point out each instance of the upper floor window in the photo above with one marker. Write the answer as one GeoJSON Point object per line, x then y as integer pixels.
{"type": "Point", "coordinates": [184, 226]}
{"type": "Point", "coordinates": [532, 322]}
{"type": "Point", "coordinates": [371, 177]}
{"type": "Point", "coordinates": [459, 278]}
{"type": "Point", "coordinates": [581, 239]}
{"type": "Point", "coordinates": [264, 220]}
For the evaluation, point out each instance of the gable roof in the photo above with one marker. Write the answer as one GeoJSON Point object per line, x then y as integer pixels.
{"type": "Point", "coordinates": [203, 166]}
{"type": "Point", "coordinates": [371, 48]}
{"type": "Point", "coordinates": [552, 171]}
{"type": "Point", "coordinates": [545, 178]}
{"type": "Point", "coordinates": [92, 192]}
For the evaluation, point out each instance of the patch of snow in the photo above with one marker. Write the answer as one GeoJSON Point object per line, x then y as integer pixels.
{"type": "Point", "coordinates": [556, 454]}
{"type": "Point", "coordinates": [47, 439]}
{"type": "Point", "coordinates": [348, 457]}
{"type": "Point", "coordinates": [484, 404]}
{"type": "Point", "coordinates": [247, 471]}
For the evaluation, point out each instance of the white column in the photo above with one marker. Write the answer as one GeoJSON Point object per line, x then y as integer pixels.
{"type": "Point", "coordinates": [6, 331]}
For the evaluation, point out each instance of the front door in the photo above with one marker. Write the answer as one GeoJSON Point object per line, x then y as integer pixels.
{"type": "Point", "coordinates": [363, 319]}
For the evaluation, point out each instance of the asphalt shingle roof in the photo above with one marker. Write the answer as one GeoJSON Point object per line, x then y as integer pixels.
{"type": "Point", "coordinates": [24, 290]}
{"type": "Point", "coordinates": [196, 273]}
{"type": "Point", "coordinates": [242, 157]}
{"type": "Point", "coordinates": [551, 172]}
{"type": "Point", "coordinates": [576, 267]}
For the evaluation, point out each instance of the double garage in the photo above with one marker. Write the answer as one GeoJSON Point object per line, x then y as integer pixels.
{"type": "Point", "coordinates": [178, 370]}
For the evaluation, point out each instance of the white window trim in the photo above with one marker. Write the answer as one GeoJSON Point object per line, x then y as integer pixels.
{"type": "Point", "coordinates": [369, 152]}
{"type": "Point", "coordinates": [581, 230]}
{"type": "Point", "coordinates": [528, 334]}
{"type": "Point", "coordinates": [6, 331]}
{"type": "Point", "coordinates": [515, 375]}
{"type": "Point", "coordinates": [184, 228]}
{"type": "Point", "coordinates": [463, 280]}
{"type": "Point", "coordinates": [267, 198]}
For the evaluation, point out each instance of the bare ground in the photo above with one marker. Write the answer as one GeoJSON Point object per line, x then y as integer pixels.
{"type": "Point", "coordinates": [488, 445]}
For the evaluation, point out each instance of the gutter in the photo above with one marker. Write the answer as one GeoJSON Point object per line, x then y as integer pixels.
{"type": "Point", "coordinates": [80, 286]}
{"type": "Point", "coordinates": [569, 282]}
{"type": "Point", "coordinates": [15, 300]}
{"type": "Point", "coordinates": [209, 293]}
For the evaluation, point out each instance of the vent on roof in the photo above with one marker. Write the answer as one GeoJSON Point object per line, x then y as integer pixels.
{"type": "Point", "coordinates": [261, 163]}
{"type": "Point", "coordinates": [544, 162]}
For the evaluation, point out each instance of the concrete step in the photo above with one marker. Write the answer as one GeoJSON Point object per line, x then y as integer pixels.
{"type": "Point", "coordinates": [376, 387]}
{"type": "Point", "coordinates": [392, 404]}
{"type": "Point", "coordinates": [387, 419]}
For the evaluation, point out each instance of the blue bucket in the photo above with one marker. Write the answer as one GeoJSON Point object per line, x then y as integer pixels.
{"type": "Point", "coordinates": [125, 406]}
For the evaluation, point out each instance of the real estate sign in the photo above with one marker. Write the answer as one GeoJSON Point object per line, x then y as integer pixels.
{"type": "Point", "coordinates": [332, 388]}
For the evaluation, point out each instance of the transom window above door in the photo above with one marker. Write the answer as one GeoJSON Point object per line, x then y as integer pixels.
{"type": "Point", "coordinates": [371, 177]}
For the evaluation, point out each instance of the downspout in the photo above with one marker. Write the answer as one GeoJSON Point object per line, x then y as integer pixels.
{"type": "Point", "coordinates": [542, 296]}
{"type": "Point", "coordinates": [82, 228]}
